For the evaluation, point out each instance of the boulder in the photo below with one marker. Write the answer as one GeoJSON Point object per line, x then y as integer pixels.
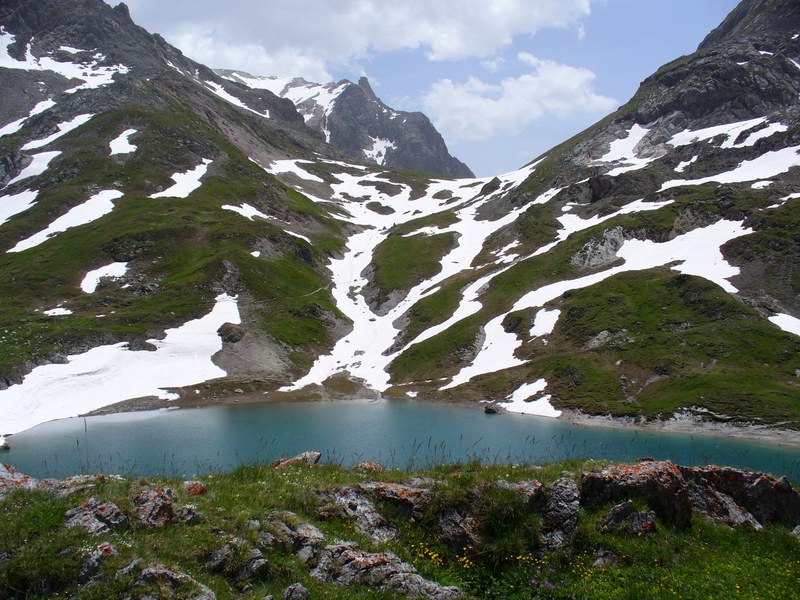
{"type": "Point", "coordinates": [351, 504]}
{"type": "Point", "coordinates": [459, 529]}
{"type": "Point", "coordinates": [154, 507]}
{"type": "Point", "coordinates": [95, 516]}
{"type": "Point", "coordinates": [530, 489]}
{"type": "Point", "coordinates": [560, 513]}
{"type": "Point", "coordinates": [714, 506]}
{"type": "Point", "coordinates": [371, 465]}
{"type": "Point", "coordinates": [296, 591]}
{"type": "Point", "coordinates": [311, 457]}
{"type": "Point", "coordinates": [658, 483]}
{"type": "Point", "coordinates": [91, 565]}
{"type": "Point", "coordinates": [227, 560]}
{"type": "Point", "coordinates": [194, 488]}
{"type": "Point", "coordinates": [174, 580]}
{"type": "Point", "coordinates": [344, 564]}
{"type": "Point", "coordinates": [623, 519]}
{"type": "Point", "coordinates": [766, 498]}
{"type": "Point", "coordinates": [411, 498]}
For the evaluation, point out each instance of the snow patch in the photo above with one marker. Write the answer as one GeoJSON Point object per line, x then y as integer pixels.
{"type": "Point", "coordinates": [92, 278]}
{"type": "Point", "coordinates": [185, 183]}
{"type": "Point", "coordinates": [517, 400]}
{"type": "Point", "coordinates": [109, 374]}
{"type": "Point", "coordinates": [16, 203]}
{"type": "Point", "coordinates": [294, 167]}
{"type": "Point", "coordinates": [377, 152]}
{"type": "Point", "coordinates": [544, 322]}
{"type": "Point", "coordinates": [121, 144]}
{"type": "Point", "coordinates": [246, 211]}
{"type": "Point", "coordinates": [57, 312]}
{"type": "Point", "coordinates": [624, 151]}
{"type": "Point", "coordinates": [223, 93]}
{"type": "Point", "coordinates": [38, 165]}
{"type": "Point", "coordinates": [731, 131]}
{"type": "Point", "coordinates": [63, 129]}
{"type": "Point", "coordinates": [786, 322]}
{"type": "Point", "coordinates": [95, 207]}
{"type": "Point", "coordinates": [685, 163]}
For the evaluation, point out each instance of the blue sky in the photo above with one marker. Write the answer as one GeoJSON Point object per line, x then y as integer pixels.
{"type": "Point", "coordinates": [503, 80]}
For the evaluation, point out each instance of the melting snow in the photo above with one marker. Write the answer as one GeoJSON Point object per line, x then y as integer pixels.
{"type": "Point", "coordinates": [765, 166]}
{"type": "Point", "coordinates": [378, 150]}
{"type": "Point", "coordinates": [17, 125]}
{"type": "Point", "coordinates": [731, 131]}
{"type": "Point", "coordinates": [63, 129]}
{"type": "Point", "coordinates": [787, 323]}
{"type": "Point", "coordinates": [121, 144]}
{"type": "Point", "coordinates": [624, 151]}
{"type": "Point", "coordinates": [57, 312]}
{"type": "Point", "coordinates": [91, 210]}
{"type": "Point", "coordinates": [222, 93]}
{"type": "Point", "coordinates": [38, 165]}
{"type": "Point", "coordinates": [685, 163]}
{"type": "Point", "coordinates": [255, 253]}
{"type": "Point", "coordinates": [89, 72]}
{"type": "Point", "coordinates": [109, 374]}
{"type": "Point", "coordinates": [185, 183]}
{"type": "Point", "coordinates": [246, 211]}
{"type": "Point", "coordinates": [293, 166]}
{"type": "Point", "coordinates": [92, 278]}
{"type": "Point", "coordinates": [541, 407]}
{"type": "Point", "coordinates": [16, 203]}
{"type": "Point", "coordinates": [544, 322]}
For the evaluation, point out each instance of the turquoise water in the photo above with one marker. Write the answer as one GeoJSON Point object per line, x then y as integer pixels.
{"type": "Point", "coordinates": [399, 434]}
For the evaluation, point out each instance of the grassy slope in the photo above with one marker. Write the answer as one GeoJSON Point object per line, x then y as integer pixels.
{"type": "Point", "coordinates": [42, 558]}
{"type": "Point", "coordinates": [187, 246]}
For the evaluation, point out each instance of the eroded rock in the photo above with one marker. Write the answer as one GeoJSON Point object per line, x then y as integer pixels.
{"type": "Point", "coordinates": [560, 513]}
{"type": "Point", "coordinates": [95, 516]}
{"type": "Point", "coordinates": [173, 580]}
{"type": "Point", "coordinates": [352, 504]}
{"type": "Point", "coordinates": [409, 497]}
{"type": "Point", "coordinates": [154, 507]}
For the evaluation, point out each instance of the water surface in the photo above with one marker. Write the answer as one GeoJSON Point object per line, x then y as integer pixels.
{"type": "Point", "coordinates": [403, 434]}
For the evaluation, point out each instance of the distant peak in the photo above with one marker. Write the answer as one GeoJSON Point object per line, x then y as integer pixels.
{"type": "Point", "coordinates": [363, 82]}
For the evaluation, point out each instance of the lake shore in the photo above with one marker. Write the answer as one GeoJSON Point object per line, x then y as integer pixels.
{"type": "Point", "coordinates": [682, 423]}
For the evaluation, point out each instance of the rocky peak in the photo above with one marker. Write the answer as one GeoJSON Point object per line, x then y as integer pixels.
{"type": "Point", "coordinates": [756, 18]}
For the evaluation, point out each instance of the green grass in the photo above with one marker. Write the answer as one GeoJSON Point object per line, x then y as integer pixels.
{"type": "Point", "coordinates": [42, 558]}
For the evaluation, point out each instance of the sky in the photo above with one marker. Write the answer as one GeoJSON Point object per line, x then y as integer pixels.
{"type": "Point", "coordinates": [502, 80]}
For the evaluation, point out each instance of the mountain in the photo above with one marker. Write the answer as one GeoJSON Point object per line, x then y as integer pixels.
{"type": "Point", "coordinates": [354, 120]}
{"type": "Point", "coordinates": [167, 232]}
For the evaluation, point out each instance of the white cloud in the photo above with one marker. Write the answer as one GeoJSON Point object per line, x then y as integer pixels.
{"type": "Point", "coordinates": [306, 38]}
{"type": "Point", "coordinates": [476, 110]}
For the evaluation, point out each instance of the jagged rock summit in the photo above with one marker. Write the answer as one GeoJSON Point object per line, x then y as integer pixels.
{"type": "Point", "coordinates": [354, 120]}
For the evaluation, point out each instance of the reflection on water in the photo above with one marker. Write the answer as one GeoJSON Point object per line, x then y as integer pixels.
{"type": "Point", "coordinates": [398, 434]}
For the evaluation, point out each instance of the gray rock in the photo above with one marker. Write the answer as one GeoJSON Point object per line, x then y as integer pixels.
{"type": "Point", "coordinates": [531, 489]}
{"type": "Point", "coordinates": [154, 507]}
{"type": "Point", "coordinates": [412, 498]}
{"type": "Point", "coordinates": [310, 457]}
{"type": "Point", "coordinates": [560, 513]}
{"type": "Point", "coordinates": [344, 564]}
{"type": "Point", "coordinates": [714, 506]}
{"type": "Point", "coordinates": [173, 580]}
{"type": "Point", "coordinates": [353, 505]}
{"type": "Point", "coordinates": [296, 591]}
{"type": "Point", "coordinates": [91, 566]}
{"type": "Point", "coordinates": [459, 529]}
{"type": "Point", "coordinates": [95, 516]}
{"type": "Point", "coordinates": [796, 532]}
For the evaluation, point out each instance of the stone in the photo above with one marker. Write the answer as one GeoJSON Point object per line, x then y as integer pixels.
{"type": "Point", "coordinates": [173, 579]}
{"type": "Point", "coordinates": [658, 483]}
{"type": "Point", "coordinates": [296, 591]}
{"type": "Point", "coordinates": [194, 488]}
{"type": "Point", "coordinates": [459, 529]}
{"type": "Point", "coordinates": [154, 507]}
{"type": "Point", "coordinates": [344, 564]}
{"type": "Point", "coordinates": [188, 515]}
{"type": "Point", "coordinates": [305, 538]}
{"type": "Point", "coordinates": [353, 505]}
{"type": "Point", "coordinates": [371, 465]}
{"type": "Point", "coordinates": [411, 498]}
{"type": "Point", "coordinates": [796, 532]}
{"type": "Point", "coordinates": [530, 489]}
{"type": "Point", "coordinates": [766, 498]}
{"type": "Point", "coordinates": [11, 479]}
{"type": "Point", "coordinates": [560, 513]}
{"type": "Point", "coordinates": [311, 457]}
{"type": "Point", "coordinates": [91, 566]}
{"type": "Point", "coordinates": [95, 516]}
{"type": "Point", "coordinates": [714, 506]}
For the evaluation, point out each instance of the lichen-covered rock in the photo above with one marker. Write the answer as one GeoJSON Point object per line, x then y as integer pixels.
{"type": "Point", "coordinates": [530, 489]}
{"type": "Point", "coordinates": [91, 565]}
{"type": "Point", "coordinates": [714, 506]}
{"type": "Point", "coordinates": [194, 488]}
{"type": "Point", "coordinates": [459, 529]}
{"type": "Point", "coordinates": [371, 465]}
{"type": "Point", "coordinates": [560, 513]}
{"type": "Point", "coordinates": [154, 507]}
{"type": "Point", "coordinates": [310, 457]}
{"type": "Point", "coordinates": [95, 516]}
{"type": "Point", "coordinates": [409, 497]}
{"type": "Point", "coordinates": [658, 483]}
{"type": "Point", "coordinates": [352, 504]}
{"type": "Point", "coordinates": [766, 498]}
{"type": "Point", "coordinates": [623, 519]}
{"type": "Point", "coordinates": [172, 580]}
{"type": "Point", "coordinates": [237, 561]}
{"type": "Point", "coordinates": [304, 537]}
{"type": "Point", "coordinates": [344, 564]}
{"type": "Point", "coordinates": [296, 591]}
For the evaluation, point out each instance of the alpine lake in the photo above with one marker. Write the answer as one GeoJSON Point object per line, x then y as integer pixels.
{"type": "Point", "coordinates": [400, 434]}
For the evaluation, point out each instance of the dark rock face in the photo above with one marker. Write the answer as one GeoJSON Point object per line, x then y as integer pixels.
{"type": "Point", "coordinates": [96, 516]}
{"type": "Point", "coordinates": [658, 483]}
{"type": "Point", "coordinates": [359, 117]}
{"type": "Point", "coordinates": [763, 497]}
{"type": "Point", "coordinates": [560, 513]}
